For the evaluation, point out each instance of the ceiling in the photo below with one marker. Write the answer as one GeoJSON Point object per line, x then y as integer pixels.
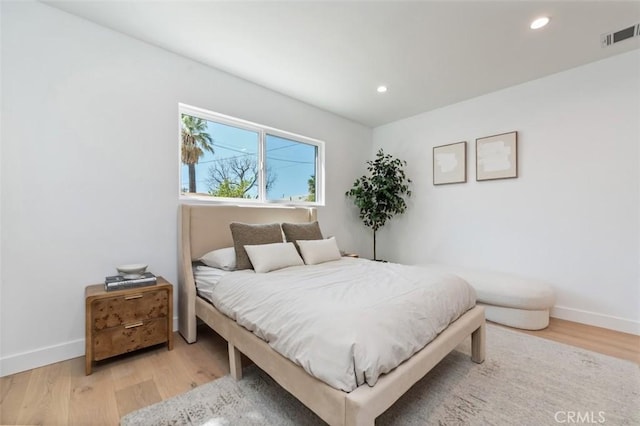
{"type": "Point", "coordinates": [334, 54]}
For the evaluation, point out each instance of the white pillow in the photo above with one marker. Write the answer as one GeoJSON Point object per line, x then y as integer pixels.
{"type": "Point", "coordinates": [319, 251]}
{"type": "Point", "coordinates": [269, 257]}
{"type": "Point", "coordinates": [224, 258]}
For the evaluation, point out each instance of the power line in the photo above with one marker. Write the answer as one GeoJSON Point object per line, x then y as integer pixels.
{"type": "Point", "coordinates": [245, 153]}
{"type": "Point", "coordinates": [233, 149]}
{"type": "Point", "coordinates": [225, 158]}
{"type": "Point", "coordinates": [283, 147]}
{"type": "Point", "coordinates": [290, 161]}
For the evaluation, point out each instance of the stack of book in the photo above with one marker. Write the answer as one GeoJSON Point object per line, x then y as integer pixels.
{"type": "Point", "coordinates": [119, 282]}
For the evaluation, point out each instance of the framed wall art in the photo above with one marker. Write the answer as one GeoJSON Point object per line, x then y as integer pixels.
{"type": "Point", "coordinates": [450, 163]}
{"type": "Point", "coordinates": [497, 157]}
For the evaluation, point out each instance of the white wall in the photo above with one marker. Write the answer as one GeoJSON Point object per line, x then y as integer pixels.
{"type": "Point", "coordinates": [1, 97]}
{"type": "Point", "coordinates": [571, 217]}
{"type": "Point", "coordinates": [90, 166]}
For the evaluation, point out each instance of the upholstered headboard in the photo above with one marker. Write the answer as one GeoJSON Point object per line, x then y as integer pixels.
{"type": "Point", "coordinates": [203, 228]}
{"type": "Point", "coordinates": [206, 228]}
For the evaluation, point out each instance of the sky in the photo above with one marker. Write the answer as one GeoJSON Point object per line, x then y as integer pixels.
{"type": "Point", "coordinates": [290, 163]}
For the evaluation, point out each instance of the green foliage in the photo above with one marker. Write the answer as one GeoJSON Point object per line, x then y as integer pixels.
{"type": "Point", "coordinates": [380, 195]}
{"type": "Point", "coordinates": [195, 141]}
{"type": "Point", "coordinates": [232, 189]}
{"type": "Point", "coordinates": [312, 189]}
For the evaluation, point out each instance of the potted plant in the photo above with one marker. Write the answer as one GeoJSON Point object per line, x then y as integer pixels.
{"type": "Point", "coordinates": [380, 195]}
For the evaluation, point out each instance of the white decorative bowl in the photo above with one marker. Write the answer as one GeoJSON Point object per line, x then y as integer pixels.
{"type": "Point", "coordinates": [132, 271]}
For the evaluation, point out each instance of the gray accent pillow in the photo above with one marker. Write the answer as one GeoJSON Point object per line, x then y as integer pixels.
{"type": "Point", "coordinates": [301, 231]}
{"type": "Point", "coordinates": [245, 234]}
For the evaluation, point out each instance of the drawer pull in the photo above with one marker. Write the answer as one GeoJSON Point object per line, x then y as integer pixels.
{"type": "Point", "coordinates": [134, 325]}
{"type": "Point", "coordinates": [133, 296]}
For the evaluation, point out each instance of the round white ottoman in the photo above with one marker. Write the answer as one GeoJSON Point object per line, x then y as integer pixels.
{"type": "Point", "coordinates": [509, 299]}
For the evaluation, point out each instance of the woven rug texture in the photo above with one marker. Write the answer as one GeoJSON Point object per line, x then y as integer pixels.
{"type": "Point", "coordinates": [525, 380]}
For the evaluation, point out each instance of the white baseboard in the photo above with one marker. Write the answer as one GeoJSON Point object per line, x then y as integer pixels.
{"type": "Point", "coordinates": [48, 355]}
{"type": "Point", "coordinates": [42, 356]}
{"type": "Point", "coordinates": [599, 320]}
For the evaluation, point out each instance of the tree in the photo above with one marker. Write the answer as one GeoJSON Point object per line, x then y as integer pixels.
{"type": "Point", "coordinates": [312, 188]}
{"type": "Point", "coordinates": [234, 177]}
{"type": "Point", "coordinates": [195, 141]}
{"type": "Point", "coordinates": [230, 189]}
{"type": "Point", "coordinates": [379, 196]}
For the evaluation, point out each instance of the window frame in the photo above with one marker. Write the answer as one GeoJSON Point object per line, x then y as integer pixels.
{"type": "Point", "coordinates": [262, 131]}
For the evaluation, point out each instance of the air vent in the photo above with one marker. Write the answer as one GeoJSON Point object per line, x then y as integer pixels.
{"type": "Point", "coordinates": [618, 36]}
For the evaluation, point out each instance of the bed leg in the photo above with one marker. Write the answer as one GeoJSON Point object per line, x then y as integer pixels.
{"type": "Point", "coordinates": [478, 339]}
{"type": "Point", "coordinates": [235, 362]}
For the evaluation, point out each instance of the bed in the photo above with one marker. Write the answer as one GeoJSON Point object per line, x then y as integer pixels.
{"type": "Point", "coordinates": [205, 228]}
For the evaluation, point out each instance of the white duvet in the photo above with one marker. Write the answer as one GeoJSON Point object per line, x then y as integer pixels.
{"type": "Point", "coordinates": [345, 322]}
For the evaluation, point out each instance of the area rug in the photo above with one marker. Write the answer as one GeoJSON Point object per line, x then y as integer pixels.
{"type": "Point", "coordinates": [525, 380]}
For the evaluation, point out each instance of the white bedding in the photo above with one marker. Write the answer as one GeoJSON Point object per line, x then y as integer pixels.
{"type": "Point", "coordinates": [345, 322]}
{"type": "Point", "coordinates": [206, 279]}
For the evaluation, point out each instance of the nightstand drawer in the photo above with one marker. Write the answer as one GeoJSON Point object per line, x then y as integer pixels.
{"type": "Point", "coordinates": [124, 320]}
{"type": "Point", "coordinates": [129, 337]}
{"type": "Point", "coordinates": [130, 308]}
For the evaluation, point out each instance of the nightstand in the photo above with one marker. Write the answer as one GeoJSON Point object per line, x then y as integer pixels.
{"type": "Point", "coordinates": [122, 321]}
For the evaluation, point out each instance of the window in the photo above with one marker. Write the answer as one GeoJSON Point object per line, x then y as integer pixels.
{"type": "Point", "coordinates": [224, 158]}
{"type": "Point", "coordinates": [291, 169]}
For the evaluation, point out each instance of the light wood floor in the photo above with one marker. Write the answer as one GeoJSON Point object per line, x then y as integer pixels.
{"type": "Point", "coordinates": [61, 394]}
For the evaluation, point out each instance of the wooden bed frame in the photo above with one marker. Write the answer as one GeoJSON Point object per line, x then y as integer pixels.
{"type": "Point", "coordinates": [205, 228]}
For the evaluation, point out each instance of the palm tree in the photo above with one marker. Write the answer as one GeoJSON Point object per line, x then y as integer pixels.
{"type": "Point", "coordinates": [195, 141]}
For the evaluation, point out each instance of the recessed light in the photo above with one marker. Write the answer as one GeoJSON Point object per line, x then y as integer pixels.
{"type": "Point", "coordinates": [539, 23]}
{"type": "Point", "coordinates": [381, 89]}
